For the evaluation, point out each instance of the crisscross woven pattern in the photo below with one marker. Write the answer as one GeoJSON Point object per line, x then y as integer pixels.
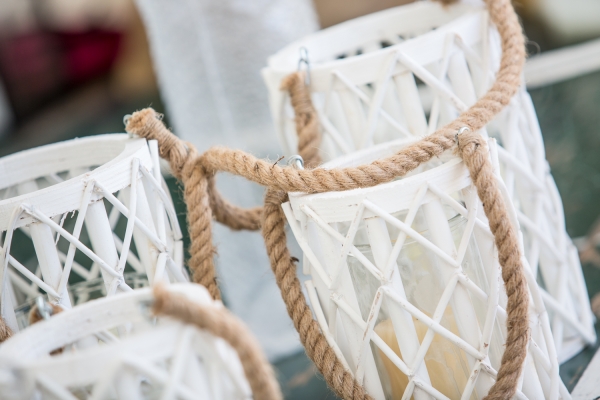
{"type": "Point", "coordinates": [138, 354]}
{"type": "Point", "coordinates": [94, 225]}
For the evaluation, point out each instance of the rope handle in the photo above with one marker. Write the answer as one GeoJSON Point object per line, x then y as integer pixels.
{"type": "Point", "coordinates": [197, 173]}
{"type": "Point", "coordinates": [221, 323]}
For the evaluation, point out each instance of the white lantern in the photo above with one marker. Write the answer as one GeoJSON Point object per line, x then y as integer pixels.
{"type": "Point", "coordinates": [82, 219]}
{"type": "Point", "coordinates": [405, 284]}
{"type": "Point", "coordinates": [129, 355]}
{"type": "Point", "coordinates": [392, 75]}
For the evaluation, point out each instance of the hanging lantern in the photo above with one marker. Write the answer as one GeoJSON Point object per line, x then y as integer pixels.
{"type": "Point", "coordinates": [407, 71]}
{"type": "Point", "coordinates": [80, 353]}
{"type": "Point", "coordinates": [83, 219]}
{"type": "Point", "coordinates": [405, 284]}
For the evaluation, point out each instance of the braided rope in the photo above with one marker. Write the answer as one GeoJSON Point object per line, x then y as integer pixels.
{"type": "Point", "coordinates": [307, 121]}
{"type": "Point", "coordinates": [182, 159]}
{"type": "Point", "coordinates": [5, 331]}
{"type": "Point", "coordinates": [199, 171]}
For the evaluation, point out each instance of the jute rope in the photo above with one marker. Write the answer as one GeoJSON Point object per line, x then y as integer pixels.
{"type": "Point", "coordinates": [471, 147]}
{"type": "Point", "coordinates": [307, 121]}
{"type": "Point", "coordinates": [5, 332]}
{"type": "Point", "coordinates": [221, 323]}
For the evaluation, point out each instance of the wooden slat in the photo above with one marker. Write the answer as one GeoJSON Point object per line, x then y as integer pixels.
{"type": "Point", "coordinates": [588, 387]}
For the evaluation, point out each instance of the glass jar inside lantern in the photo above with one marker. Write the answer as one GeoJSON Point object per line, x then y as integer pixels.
{"type": "Point", "coordinates": [406, 282]}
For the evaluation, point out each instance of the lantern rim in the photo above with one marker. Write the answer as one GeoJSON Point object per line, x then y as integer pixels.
{"type": "Point", "coordinates": [69, 327]}
{"type": "Point", "coordinates": [113, 153]}
{"type": "Point", "coordinates": [463, 20]}
{"type": "Point", "coordinates": [452, 175]}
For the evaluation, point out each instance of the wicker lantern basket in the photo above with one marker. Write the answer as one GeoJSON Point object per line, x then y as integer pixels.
{"type": "Point", "coordinates": [407, 71]}
{"type": "Point", "coordinates": [115, 348]}
{"type": "Point", "coordinates": [83, 219]}
{"type": "Point", "coordinates": [406, 286]}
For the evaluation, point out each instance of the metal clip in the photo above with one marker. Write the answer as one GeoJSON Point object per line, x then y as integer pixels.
{"type": "Point", "coordinates": [146, 310]}
{"type": "Point", "coordinates": [304, 60]}
{"type": "Point", "coordinates": [461, 131]}
{"type": "Point", "coordinates": [296, 162]}
{"type": "Point", "coordinates": [43, 308]}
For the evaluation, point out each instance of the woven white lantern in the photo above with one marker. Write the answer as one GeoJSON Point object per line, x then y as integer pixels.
{"type": "Point", "coordinates": [82, 219]}
{"type": "Point", "coordinates": [130, 355]}
{"type": "Point", "coordinates": [406, 285]}
{"type": "Point", "coordinates": [392, 75]}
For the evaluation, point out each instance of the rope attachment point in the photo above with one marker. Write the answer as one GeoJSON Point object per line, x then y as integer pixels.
{"type": "Point", "coordinates": [221, 323]}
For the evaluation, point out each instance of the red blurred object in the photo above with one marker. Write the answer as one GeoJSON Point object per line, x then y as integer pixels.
{"type": "Point", "coordinates": [37, 67]}
{"type": "Point", "coordinates": [88, 55]}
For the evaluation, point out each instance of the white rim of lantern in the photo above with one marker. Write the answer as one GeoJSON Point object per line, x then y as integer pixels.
{"type": "Point", "coordinates": [118, 162]}
{"type": "Point", "coordinates": [315, 217]}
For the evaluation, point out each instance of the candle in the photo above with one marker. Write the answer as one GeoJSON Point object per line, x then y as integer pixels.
{"type": "Point", "coordinates": [446, 364]}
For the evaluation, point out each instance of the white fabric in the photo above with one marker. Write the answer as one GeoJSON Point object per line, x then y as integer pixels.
{"type": "Point", "coordinates": [208, 55]}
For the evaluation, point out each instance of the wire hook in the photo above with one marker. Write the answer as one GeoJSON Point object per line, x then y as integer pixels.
{"type": "Point", "coordinates": [461, 131]}
{"type": "Point", "coordinates": [304, 60]}
{"type": "Point", "coordinates": [43, 308]}
{"type": "Point", "coordinates": [296, 162]}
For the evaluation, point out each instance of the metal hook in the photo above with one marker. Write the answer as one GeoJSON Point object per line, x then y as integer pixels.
{"type": "Point", "coordinates": [304, 60]}
{"type": "Point", "coordinates": [43, 308]}
{"type": "Point", "coordinates": [461, 131]}
{"type": "Point", "coordinates": [126, 119]}
{"type": "Point", "coordinates": [146, 310]}
{"type": "Point", "coordinates": [296, 162]}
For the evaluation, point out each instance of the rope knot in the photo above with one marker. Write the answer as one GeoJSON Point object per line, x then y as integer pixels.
{"type": "Point", "coordinates": [148, 124]}
{"type": "Point", "coordinates": [469, 143]}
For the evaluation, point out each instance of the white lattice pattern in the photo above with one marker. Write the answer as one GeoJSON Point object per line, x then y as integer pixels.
{"type": "Point", "coordinates": [83, 219]}
{"type": "Point", "coordinates": [131, 355]}
{"type": "Point", "coordinates": [407, 288]}
{"type": "Point", "coordinates": [392, 75]}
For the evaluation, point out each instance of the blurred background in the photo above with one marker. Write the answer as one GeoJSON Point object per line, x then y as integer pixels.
{"type": "Point", "coordinates": [72, 68]}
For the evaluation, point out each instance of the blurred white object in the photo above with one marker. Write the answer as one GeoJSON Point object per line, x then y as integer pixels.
{"type": "Point", "coordinates": [208, 56]}
{"type": "Point", "coordinates": [16, 15]}
{"type": "Point", "coordinates": [129, 355]}
{"type": "Point", "coordinates": [569, 20]}
{"type": "Point", "coordinates": [408, 71]}
{"type": "Point", "coordinates": [83, 14]}
{"type": "Point", "coordinates": [588, 386]}
{"type": "Point", "coordinates": [562, 64]}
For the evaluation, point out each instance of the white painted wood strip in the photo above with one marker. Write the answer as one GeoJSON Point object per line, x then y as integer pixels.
{"type": "Point", "coordinates": [588, 387]}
